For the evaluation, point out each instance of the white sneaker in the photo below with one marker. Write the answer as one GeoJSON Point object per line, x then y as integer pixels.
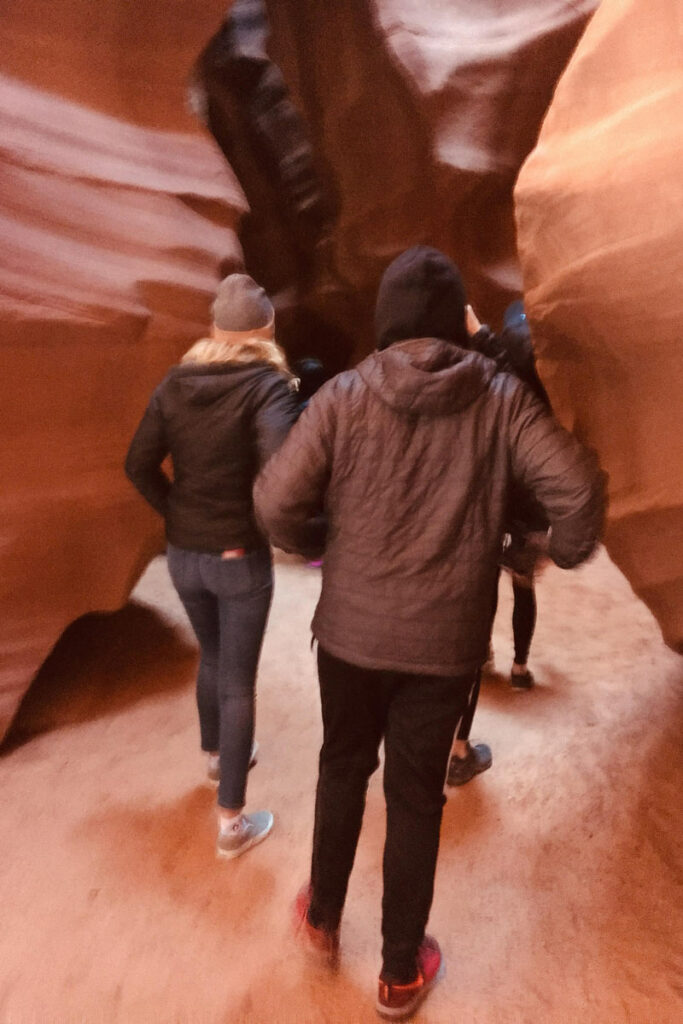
{"type": "Point", "coordinates": [246, 831]}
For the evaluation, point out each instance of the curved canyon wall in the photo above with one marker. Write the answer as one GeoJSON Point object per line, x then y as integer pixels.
{"type": "Point", "coordinates": [117, 216]}
{"type": "Point", "coordinates": [600, 220]}
{"type": "Point", "coordinates": [421, 113]}
{"type": "Point", "coordinates": [120, 213]}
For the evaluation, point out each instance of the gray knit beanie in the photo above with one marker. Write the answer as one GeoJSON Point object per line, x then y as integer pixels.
{"type": "Point", "coordinates": [241, 305]}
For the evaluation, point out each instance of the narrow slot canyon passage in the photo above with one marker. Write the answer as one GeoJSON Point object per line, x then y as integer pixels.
{"type": "Point", "coordinates": [556, 892]}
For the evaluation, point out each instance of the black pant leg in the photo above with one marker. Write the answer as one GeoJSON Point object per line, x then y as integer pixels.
{"type": "Point", "coordinates": [494, 602]}
{"type": "Point", "coordinates": [422, 717]}
{"type": "Point", "coordinates": [353, 708]}
{"type": "Point", "coordinates": [465, 726]}
{"type": "Point", "coordinates": [523, 619]}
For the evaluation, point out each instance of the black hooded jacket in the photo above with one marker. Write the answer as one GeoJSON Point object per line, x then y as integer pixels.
{"type": "Point", "coordinates": [512, 351]}
{"type": "Point", "coordinates": [412, 455]}
{"type": "Point", "coordinates": [220, 423]}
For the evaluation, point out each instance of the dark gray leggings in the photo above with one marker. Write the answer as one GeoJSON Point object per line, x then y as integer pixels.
{"type": "Point", "coordinates": [523, 618]}
{"type": "Point", "coordinates": [523, 614]}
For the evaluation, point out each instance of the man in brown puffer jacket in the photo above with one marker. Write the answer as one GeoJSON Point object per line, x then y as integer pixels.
{"type": "Point", "coordinates": [412, 456]}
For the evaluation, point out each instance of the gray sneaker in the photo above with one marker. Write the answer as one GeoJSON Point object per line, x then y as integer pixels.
{"type": "Point", "coordinates": [247, 831]}
{"type": "Point", "coordinates": [213, 769]}
{"type": "Point", "coordinates": [462, 769]}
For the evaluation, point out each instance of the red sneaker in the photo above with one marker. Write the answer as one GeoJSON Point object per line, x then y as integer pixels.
{"type": "Point", "coordinates": [397, 1002]}
{"type": "Point", "coordinates": [318, 941]}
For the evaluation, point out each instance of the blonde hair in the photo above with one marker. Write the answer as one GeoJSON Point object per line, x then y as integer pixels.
{"type": "Point", "coordinates": [246, 350]}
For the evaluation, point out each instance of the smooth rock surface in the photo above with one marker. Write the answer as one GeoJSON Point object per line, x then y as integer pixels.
{"type": "Point", "coordinates": [600, 219]}
{"type": "Point", "coordinates": [423, 112]}
{"type": "Point", "coordinates": [117, 216]}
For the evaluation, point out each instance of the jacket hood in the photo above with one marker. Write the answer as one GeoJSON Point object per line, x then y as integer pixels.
{"type": "Point", "coordinates": [427, 376]}
{"type": "Point", "coordinates": [421, 295]}
{"type": "Point", "coordinates": [205, 383]}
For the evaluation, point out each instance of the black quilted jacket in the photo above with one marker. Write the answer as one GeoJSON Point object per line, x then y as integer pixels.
{"type": "Point", "coordinates": [412, 455]}
{"type": "Point", "coordinates": [219, 423]}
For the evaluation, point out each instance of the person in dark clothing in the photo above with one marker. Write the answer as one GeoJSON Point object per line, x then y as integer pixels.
{"type": "Point", "coordinates": [412, 454]}
{"type": "Point", "coordinates": [525, 548]}
{"type": "Point", "coordinates": [220, 414]}
{"type": "Point", "coordinates": [468, 759]}
{"type": "Point", "coordinates": [312, 376]}
{"type": "Point", "coordinates": [513, 351]}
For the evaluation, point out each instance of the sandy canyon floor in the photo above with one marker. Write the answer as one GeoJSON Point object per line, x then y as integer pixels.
{"type": "Point", "coordinates": [558, 893]}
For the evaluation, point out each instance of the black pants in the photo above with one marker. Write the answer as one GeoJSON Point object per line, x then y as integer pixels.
{"type": "Point", "coordinates": [465, 726]}
{"type": "Point", "coordinates": [417, 716]}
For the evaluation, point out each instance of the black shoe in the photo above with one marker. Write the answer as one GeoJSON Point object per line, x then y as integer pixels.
{"type": "Point", "coordinates": [462, 769]}
{"type": "Point", "coordinates": [521, 680]}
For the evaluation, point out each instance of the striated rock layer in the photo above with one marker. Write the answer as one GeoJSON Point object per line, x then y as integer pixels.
{"type": "Point", "coordinates": [117, 217]}
{"type": "Point", "coordinates": [482, 76]}
{"type": "Point", "coordinates": [600, 220]}
{"type": "Point", "coordinates": [420, 115]}
{"type": "Point", "coordinates": [119, 214]}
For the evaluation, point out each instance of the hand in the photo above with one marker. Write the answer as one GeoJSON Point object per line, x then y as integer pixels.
{"type": "Point", "coordinates": [471, 321]}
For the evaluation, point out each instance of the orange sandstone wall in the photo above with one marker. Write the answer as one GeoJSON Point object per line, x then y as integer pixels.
{"type": "Point", "coordinates": [423, 111]}
{"type": "Point", "coordinates": [600, 220]}
{"type": "Point", "coordinates": [117, 215]}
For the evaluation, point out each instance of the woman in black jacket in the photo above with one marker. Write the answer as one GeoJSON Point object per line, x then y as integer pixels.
{"type": "Point", "coordinates": [220, 414]}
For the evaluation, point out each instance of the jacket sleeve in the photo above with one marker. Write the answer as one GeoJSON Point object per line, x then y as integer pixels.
{"type": "Point", "coordinates": [563, 476]}
{"type": "Point", "coordinates": [273, 418]}
{"type": "Point", "coordinates": [289, 493]}
{"type": "Point", "coordinates": [147, 451]}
